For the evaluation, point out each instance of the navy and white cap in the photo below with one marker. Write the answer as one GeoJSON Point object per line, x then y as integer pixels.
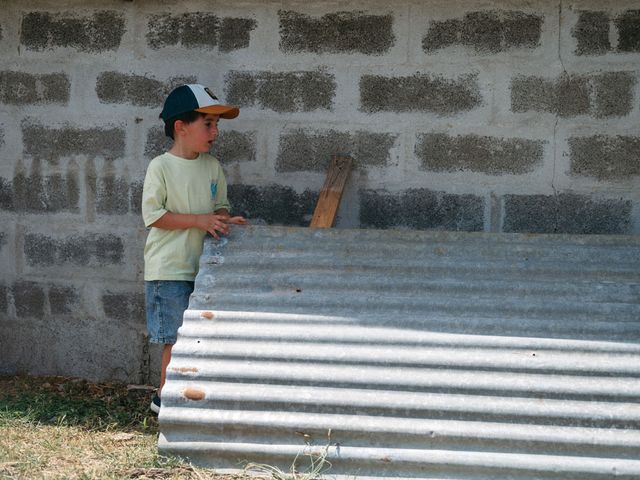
{"type": "Point", "coordinates": [188, 98]}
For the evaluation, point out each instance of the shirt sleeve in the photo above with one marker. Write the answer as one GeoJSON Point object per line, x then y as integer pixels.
{"type": "Point", "coordinates": [154, 195]}
{"type": "Point", "coordinates": [221, 200]}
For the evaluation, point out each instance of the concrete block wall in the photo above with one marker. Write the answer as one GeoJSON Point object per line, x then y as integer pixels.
{"type": "Point", "coordinates": [497, 116]}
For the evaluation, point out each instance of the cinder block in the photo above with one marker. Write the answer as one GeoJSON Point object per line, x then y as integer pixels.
{"type": "Point", "coordinates": [281, 91]}
{"type": "Point", "coordinates": [51, 144]}
{"type": "Point", "coordinates": [340, 32]}
{"type": "Point", "coordinates": [572, 95]}
{"type": "Point", "coordinates": [6, 194]}
{"type": "Point", "coordinates": [21, 88]}
{"type": "Point", "coordinates": [136, 197]}
{"type": "Point", "coordinates": [422, 209]}
{"type": "Point", "coordinates": [605, 157]}
{"type": "Point", "coordinates": [569, 95]}
{"type": "Point", "coordinates": [81, 250]}
{"type": "Point", "coordinates": [62, 300]}
{"type": "Point", "coordinates": [419, 93]}
{"type": "Point", "coordinates": [488, 31]}
{"type": "Point", "coordinates": [112, 196]}
{"type": "Point", "coordinates": [3, 299]}
{"type": "Point", "coordinates": [442, 34]}
{"type": "Point", "coordinates": [196, 29]}
{"type": "Point", "coordinates": [533, 93]}
{"type": "Point", "coordinates": [199, 30]}
{"type": "Point", "coordinates": [565, 213]}
{"type": "Point", "coordinates": [302, 150]}
{"type": "Point", "coordinates": [29, 299]}
{"type": "Point", "coordinates": [613, 94]}
{"type": "Point", "coordinates": [592, 33]}
{"type": "Point", "coordinates": [41, 250]}
{"type": "Point", "coordinates": [235, 33]}
{"type": "Point", "coordinates": [129, 307]}
{"type": "Point", "coordinates": [94, 34]}
{"type": "Point", "coordinates": [491, 155]}
{"type": "Point", "coordinates": [273, 204]}
{"type": "Point", "coordinates": [628, 25]}
{"type": "Point", "coordinates": [483, 31]}
{"type": "Point", "coordinates": [241, 88]}
{"type": "Point", "coordinates": [157, 142]}
{"type": "Point", "coordinates": [37, 194]}
{"type": "Point", "coordinates": [521, 30]}
{"type": "Point", "coordinates": [380, 209]}
{"type": "Point", "coordinates": [233, 146]}
{"type": "Point", "coordinates": [107, 249]}
{"type": "Point", "coordinates": [82, 345]}
{"type": "Point", "coordinates": [116, 87]}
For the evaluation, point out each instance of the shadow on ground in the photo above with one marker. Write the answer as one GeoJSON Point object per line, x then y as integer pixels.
{"type": "Point", "coordinates": [76, 402]}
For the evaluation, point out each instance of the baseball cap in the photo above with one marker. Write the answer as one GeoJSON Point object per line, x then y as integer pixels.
{"type": "Point", "coordinates": [188, 98]}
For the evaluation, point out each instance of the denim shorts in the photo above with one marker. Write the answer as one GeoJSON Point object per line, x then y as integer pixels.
{"type": "Point", "coordinates": [166, 301]}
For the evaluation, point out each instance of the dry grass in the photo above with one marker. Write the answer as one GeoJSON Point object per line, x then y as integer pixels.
{"type": "Point", "coordinates": [318, 465]}
{"type": "Point", "coordinates": [60, 428]}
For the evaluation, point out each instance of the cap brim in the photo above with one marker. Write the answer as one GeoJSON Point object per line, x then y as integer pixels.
{"type": "Point", "coordinates": [225, 111]}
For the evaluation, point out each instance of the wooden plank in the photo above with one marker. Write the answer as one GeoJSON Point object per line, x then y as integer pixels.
{"type": "Point", "coordinates": [331, 193]}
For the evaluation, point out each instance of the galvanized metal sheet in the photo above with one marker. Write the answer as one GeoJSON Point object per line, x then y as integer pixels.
{"type": "Point", "coordinates": [411, 354]}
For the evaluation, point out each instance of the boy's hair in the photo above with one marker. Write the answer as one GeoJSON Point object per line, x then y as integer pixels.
{"type": "Point", "coordinates": [187, 117]}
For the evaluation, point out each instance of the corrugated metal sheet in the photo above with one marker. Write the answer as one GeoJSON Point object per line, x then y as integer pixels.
{"type": "Point", "coordinates": [424, 354]}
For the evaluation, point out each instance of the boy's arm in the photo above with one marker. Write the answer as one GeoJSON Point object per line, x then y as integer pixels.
{"type": "Point", "coordinates": [154, 213]}
{"type": "Point", "coordinates": [209, 222]}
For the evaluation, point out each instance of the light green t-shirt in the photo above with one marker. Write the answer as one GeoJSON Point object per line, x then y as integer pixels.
{"type": "Point", "coordinates": [177, 185]}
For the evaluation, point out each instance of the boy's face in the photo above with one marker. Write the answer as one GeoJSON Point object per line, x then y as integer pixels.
{"type": "Point", "coordinates": [200, 135]}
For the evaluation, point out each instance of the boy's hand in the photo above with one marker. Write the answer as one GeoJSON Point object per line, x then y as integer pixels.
{"type": "Point", "coordinates": [224, 215]}
{"type": "Point", "coordinates": [213, 224]}
{"type": "Point", "coordinates": [237, 220]}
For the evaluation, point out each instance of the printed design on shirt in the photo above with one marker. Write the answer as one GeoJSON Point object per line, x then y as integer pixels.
{"type": "Point", "coordinates": [214, 190]}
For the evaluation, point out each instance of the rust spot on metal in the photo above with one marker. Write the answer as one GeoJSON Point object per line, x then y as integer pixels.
{"type": "Point", "coordinates": [386, 459]}
{"type": "Point", "coordinates": [185, 369]}
{"type": "Point", "coordinates": [193, 394]}
{"type": "Point", "coordinates": [208, 315]}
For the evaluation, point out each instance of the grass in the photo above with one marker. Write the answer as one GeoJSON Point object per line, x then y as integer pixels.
{"type": "Point", "coordinates": [318, 465]}
{"type": "Point", "coordinates": [61, 428]}
{"type": "Point", "coordinates": [65, 428]}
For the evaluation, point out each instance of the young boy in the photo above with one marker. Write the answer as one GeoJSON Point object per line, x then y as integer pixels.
{"type": "Point", "coordinates": [184, 197]}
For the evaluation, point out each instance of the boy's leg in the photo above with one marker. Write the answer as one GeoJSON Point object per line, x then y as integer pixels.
{"type": "Point", "coordinates": [166, 301]}
{"type": "Point", "coordinates": [156, 403]}
{"type": "Point", "coordinates": [166, 358]}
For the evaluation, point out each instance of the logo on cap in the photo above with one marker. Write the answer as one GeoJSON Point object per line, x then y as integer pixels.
{"type": "Point", "coordinates": [206, 89]}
